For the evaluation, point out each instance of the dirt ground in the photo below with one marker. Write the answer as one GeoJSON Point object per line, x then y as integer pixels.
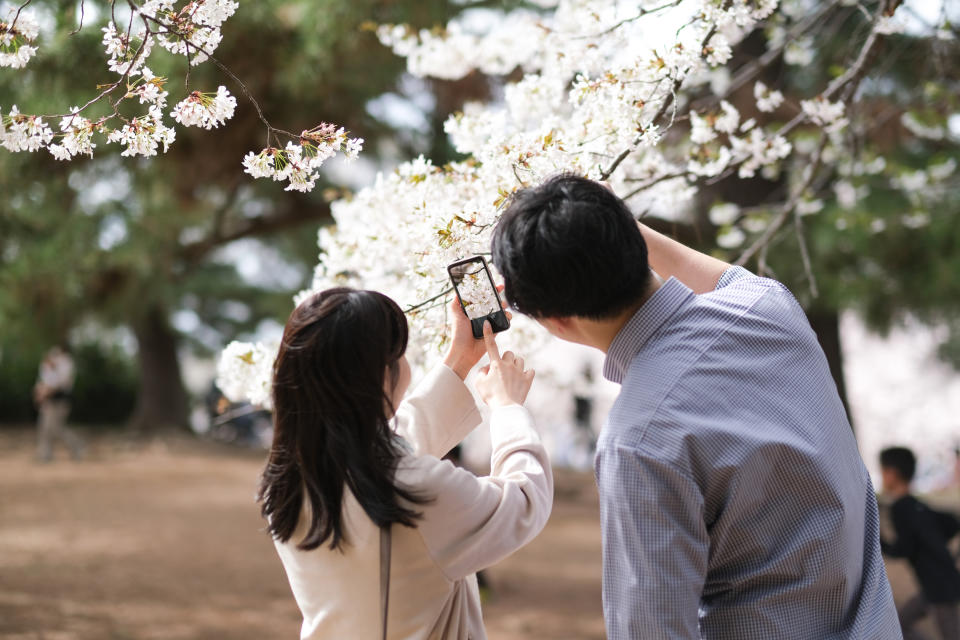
{"type": "Point", "coordinates": [163, 541]}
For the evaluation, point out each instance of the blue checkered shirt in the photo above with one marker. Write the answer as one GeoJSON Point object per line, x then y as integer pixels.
{"type": "Point", "coordinates": [733, 500]}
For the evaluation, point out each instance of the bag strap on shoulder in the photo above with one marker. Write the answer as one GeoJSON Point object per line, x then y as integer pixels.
{"type": "Point", "coordinates": [384, 576]}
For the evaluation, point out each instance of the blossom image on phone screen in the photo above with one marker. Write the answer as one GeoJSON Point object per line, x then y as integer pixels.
{"type": "Point", "coordinates": [477, 294]}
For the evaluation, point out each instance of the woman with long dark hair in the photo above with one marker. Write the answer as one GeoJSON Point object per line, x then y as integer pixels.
{"type": "Point", "coordinates": [362, 510]}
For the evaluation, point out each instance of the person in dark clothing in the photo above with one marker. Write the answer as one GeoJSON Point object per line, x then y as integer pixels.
{"type": "Point", "coordinates": [922, 536]}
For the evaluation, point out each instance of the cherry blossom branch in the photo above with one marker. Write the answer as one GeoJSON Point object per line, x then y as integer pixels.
{"type": "Point", "coordinates": [667, 101]}
{"type": "Point", "coordinates": [19, 9]}
{"type": "Point", "coordinates": [83, 4]}
{"type": "Point", "coordinates": [643, 12]}
{"type": "Point", "coordinates": [657, 180]}
{"type": "Point", "coordinates": [849, 80]}
{"type": "Point", "coordinates": [805, 254]}
{"type": "Point", "coordinates": [788, 207]}
{"type": "Point", "coordinates": [421, 305]}
{"type": "Point", "coordinates": [753, 68]}
{"type": "Point", "coordinates": [295, 215]}
{"type": "Point", "coordinates": [194, 32]}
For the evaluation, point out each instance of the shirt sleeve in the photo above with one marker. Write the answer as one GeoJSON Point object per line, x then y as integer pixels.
{"type": "Point", "coordinates": [731, 275]}
{"type": "Point", "coordinates": [438, 414]}
{"type": "Point", "coordinates": [472, 522]}
{"type": "Point", "coordinates": [655, 546]}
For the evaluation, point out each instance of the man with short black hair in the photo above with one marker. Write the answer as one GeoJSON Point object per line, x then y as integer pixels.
{"type": "Point", "coordinates": [733, 500]}
{"type": "Point", "coordinates": [922, 536]}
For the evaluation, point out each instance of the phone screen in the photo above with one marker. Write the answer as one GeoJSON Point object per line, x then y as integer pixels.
{"type": "Point", "coordinates": [478, 295]}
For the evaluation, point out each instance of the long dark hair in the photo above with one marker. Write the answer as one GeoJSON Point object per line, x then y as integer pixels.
{"type": "Point", "coordinates": [331, 417]}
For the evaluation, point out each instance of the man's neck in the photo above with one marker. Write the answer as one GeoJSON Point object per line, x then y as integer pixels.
{"type": "Point", "coordinates": [601, 333]}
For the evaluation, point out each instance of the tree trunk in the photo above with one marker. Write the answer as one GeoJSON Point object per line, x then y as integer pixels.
{"type": "Point", "coordinates": [826, 324]}
{"type": "Point", "coordinates": [161, 399]}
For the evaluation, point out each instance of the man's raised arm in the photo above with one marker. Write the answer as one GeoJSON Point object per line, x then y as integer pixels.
{"type": "Point", "coordinates": [669, 258]}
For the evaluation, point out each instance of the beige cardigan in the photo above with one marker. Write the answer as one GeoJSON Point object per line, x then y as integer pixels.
{"type": "Point", "coordinates": [470, 524]}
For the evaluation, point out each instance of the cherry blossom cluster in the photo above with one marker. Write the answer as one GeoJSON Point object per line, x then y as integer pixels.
{"type": "Point", "coordinates": [205, 110]}
{"type": "Point", "coordinates": [17, 34]}
{"type": "Point", "coordinates": [191, 28]}
{"type": "Point", "coordinates": [298, 163]}
{"type": "Point", "coordinates": [127, 53]}
{"type": "Point", "coordinates": [244, 371]}
{"type": "Point", "coordinates": [77, 137]}
{"type": "Point", "coordinates": [143, 135]}
{"type": "Point", "coordinates": [21, 132]}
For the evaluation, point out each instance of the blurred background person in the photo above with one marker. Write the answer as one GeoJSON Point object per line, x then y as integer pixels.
{"type": "Point", "coordinates": [922, 535]}
{"type": "Point", "coordinates": [52, 396]}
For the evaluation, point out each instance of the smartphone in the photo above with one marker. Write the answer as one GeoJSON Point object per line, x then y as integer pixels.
{"type": "Point", "coordinates": [478, 295]}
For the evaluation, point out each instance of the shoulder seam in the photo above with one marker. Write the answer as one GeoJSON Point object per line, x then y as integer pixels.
{"type": "Point", "coordinates": [680, 376]}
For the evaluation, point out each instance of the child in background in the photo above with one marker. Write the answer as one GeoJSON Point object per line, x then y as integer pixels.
{"type": "Point", "coordinates": [922, 536]}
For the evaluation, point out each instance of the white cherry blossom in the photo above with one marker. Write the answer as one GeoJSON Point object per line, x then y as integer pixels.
{"type": "Point", "coordinates": [825, 113]}
{"type": "Point", "coordinates": [205, 110]}
{"type": "Point", "coordinates": [731, 238]}
{"type": "Point", "coordinates": [22, 132]}
{"type": "Point", "coordinates": [724, 214]}
{"type": "Point", "coordinates": [244, 371]}
{"type": "Point", "coordinates": [17, 33]}
{"type": "Point", "coordinates": [127, 53]}
{"type": "Point", "coordinates": [767, 99]}
{"type": "Point", "coordinates": [260, 165]}
{"type": "Point", "coordinates": [799, 52]}
{"type": "Point", "coordinates": [889, 25]}
{"type": "Point", "coordinates": [143, 136]}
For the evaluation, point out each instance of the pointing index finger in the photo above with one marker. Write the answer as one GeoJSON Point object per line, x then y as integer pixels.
{"type": "Point", "coordinates": [491, 343]}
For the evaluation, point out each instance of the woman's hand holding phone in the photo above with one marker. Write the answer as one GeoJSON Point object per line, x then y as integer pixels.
{"type": "Point", "coordinates": [503, 382]}
{"type": "Point", "coordinates": [465, 351]}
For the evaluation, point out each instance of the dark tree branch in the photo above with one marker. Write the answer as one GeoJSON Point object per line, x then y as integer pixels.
{"type": "Point", "coordinates": [787, 208]}
{"type": "Point", "coordinates": [298, 213]}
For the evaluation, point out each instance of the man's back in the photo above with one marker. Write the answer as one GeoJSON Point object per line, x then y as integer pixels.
{"type": "Point", "coordinates": [730, 480]}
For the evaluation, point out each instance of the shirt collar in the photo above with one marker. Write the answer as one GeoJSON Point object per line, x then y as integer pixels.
{"type": "Point", "coordinates": [644, 323]}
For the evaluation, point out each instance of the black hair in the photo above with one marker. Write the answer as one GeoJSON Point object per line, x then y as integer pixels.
{"type": "Point", "coordinates": [570, 247]}
{"type": "Point", "coordinates": [331, 417]}
{"type": "Point", "coordinates": [901, 460]}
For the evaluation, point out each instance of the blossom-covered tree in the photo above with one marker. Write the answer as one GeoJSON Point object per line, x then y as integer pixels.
{"type": "Point", "coordinates": [663, 100]}
{"type": "Point", "coordinates": [187, 28]}
{"type": "Point", "coordinates": [156, 252]}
